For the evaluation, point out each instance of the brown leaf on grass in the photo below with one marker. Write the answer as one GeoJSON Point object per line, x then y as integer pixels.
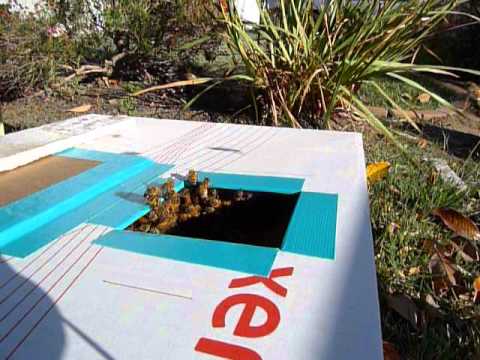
{"type": "Point", "coordinates": [392, 228]}
{"type": "Point", "coordinates": [404, 306]}
{"type": "Point", "coordinates": [80, 109]}
{"type": "Point", "coordinates": [458, 223]}
{"type": "Point", "coordinates": [476, 288]}
{"type": "Point", "coordinates": [377, 171]}
{"type": "Point", "coordinates": [431, 309]}
{"type": "Point", "coordinates": [422, 144]}
{"type": "Point", "coordinates": [423, 98]}
{"type": "Point", "coordinates": [430, 300]}
{"type": "Point", "coordinates": [390, 351]}
{"type": "Point", "coordinates": [443, 273]}
{"type": "Point", "coordinates": [450, 270]}
{"type": "Point", "coordinates": [428, 245]}
{"type": "Point", "coordinates": [467, 250]}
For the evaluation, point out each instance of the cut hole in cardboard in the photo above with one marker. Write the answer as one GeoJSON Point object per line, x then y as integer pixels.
{"type": "Point", "coordinates": [260, 220]}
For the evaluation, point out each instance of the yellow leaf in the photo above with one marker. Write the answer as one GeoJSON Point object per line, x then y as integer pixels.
{"type": "Point", "coordinates": [423, 98]}
{"type": "Point", "coordinates": [377, 171]}
{"type": "Point", "coordinates": [423, 143]}
{"type": "Point", "coordinates": [476, 287]}
{"type": "Point", "coordinates": [476, 94]}
{"type": "Point", "coordinates": [414, 270]}
{"type": "Point", "coordinates": [80, 109]}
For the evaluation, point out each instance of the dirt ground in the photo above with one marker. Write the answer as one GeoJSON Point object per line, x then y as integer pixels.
{"type": "Point", "coordinates": [456, 134]}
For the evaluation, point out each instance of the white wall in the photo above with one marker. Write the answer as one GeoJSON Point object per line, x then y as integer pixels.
{"type": "Point", "coordinates": [28, 5]}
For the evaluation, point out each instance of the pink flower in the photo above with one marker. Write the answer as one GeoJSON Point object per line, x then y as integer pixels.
{"type": "Point", "coordinates": [56, 31]}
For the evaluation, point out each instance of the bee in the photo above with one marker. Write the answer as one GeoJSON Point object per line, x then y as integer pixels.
{"type": "Point", "coordinates": [153, 216]}
{"type": "Point", "coordinates": [239, 195]}
{"type": "Point", "coordinates": [202, 189]}
{"type": "Point", "coordinates": [184, 216]}
{"type": "Point", "coordinates": [174, 202]}
{"type": "Point", "coordinates": [167, 224]}
{"type": "Point", "coordinates": [194, 211]}
{"type": "Point", "coordinates": [209, 210]}
{"type": "Point", "coordinates": [213, 199]}
{"type": "Point", "coordinates": [143, 220]}
{"type": "Point", "coordinates": [168, 188]}
{"type": "Point", "coordinates": [154, 230]}
{"type": "Point", "coordinates": [192, 178]}
{"type": "Point", "coordinates": [186, 199]}
{"type": "Point", "coordinates": [144, 227]}
{"type": "Point", "coordinates": [152, 196]}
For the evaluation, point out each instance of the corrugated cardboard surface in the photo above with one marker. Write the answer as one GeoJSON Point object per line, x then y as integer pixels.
{"type": "Point", "coordinates": [39, 175]}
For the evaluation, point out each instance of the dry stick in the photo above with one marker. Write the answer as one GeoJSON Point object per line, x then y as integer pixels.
{"type": "Point", "coordinates": [173, 84]}
{"type": "Point", "coordinates": [85, 70]}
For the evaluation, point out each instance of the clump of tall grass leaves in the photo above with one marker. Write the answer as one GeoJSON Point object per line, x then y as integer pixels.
{"type": "Point", "coordinates": [307, 62]}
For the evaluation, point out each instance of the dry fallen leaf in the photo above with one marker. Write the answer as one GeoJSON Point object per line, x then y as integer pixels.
{"type": "Point", "coordinates": [390, 352]}
{"type": "Point", "coordinates": [404, 306]}
{"type": "Point", "coordinates": [450, 270]}
{"type": "Point", "coordinates": [414, 270]}
{"type": "Point", "coordinates": [429, 246]}
{"type": "Point", "coordinates": [392, 228]}
{"type": "Point", "coordinates": [80, 109]}
{"type": "Point", "coordinates": [377, 171]}
{"type": "Point", "coordinates": [458, 223]}
{"type": "Point", "coordinates": [422, 143]}
{"type": "Point", "coordinates": [476, 93]}
{"type": "Point", "coordinates": [467, 250]}
{"type": "Point", "coordinates": [443, 273]}
{"type": "Point", "coordinates": [476, 288]}
{"type": "Point", "coordinates": [429, 299]}
{"type": "Point", "coordinates": [423, 98]}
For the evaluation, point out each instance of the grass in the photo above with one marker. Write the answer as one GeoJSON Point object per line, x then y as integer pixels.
{"type": "Point", "coordinates": [403, 226]}
{"type": "Point", "coordinates": [404, 95]}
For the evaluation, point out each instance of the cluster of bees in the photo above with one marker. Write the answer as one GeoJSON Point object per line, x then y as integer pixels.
{"type": "Point", "coordinates": [169, 208]}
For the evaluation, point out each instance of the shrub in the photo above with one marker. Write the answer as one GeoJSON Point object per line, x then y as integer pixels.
{"type": "Point", "coordinates": [32, 50]}
{"type": "Point", "coordinates": [306, 63]}
{"type": "Point", "coordinates": [136, 27]}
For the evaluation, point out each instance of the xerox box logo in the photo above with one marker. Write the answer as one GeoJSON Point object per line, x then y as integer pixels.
{"type": "Point", "coordinates": [250, 304]}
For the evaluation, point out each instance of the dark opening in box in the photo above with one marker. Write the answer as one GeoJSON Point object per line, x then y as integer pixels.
{"type": "Point", "coordinates": [261, 219]}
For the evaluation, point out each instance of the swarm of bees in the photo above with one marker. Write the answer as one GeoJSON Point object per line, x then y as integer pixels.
{"type": "Point", "coordinates": [169, 208]}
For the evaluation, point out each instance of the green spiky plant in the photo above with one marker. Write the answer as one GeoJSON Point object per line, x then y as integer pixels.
{"type": "Point", "coordinates": [307, 62]}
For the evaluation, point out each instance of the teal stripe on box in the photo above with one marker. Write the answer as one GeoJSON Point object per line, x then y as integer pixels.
{"type": "Point", "coordinates": [130, 205]}
{"type": "Point", "coordinates": [312, 229]}
{"type": "Point", "coordinates": [114, 208]}
{"type": "Point", "coordinates": [249, 259]}
{"type": "Point", "coordinates": [95, 155]}
{"type": "Point", "coordinates": [34, 221]}
{"type": "Point", "coordinates": [282, 185]}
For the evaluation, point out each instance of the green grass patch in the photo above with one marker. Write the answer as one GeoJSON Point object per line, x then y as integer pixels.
{"type": "Point", "coordinates": [403, 226]}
